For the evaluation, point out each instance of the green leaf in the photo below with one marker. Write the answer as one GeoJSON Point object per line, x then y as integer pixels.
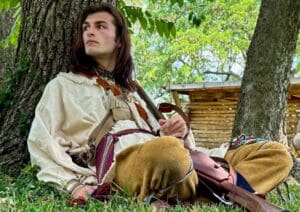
{"type": "Point", "coordinates": [14, 3]}
{"type": "Point", "coordinates": [191, 15]}
{"type": "Point", "coordinates": [172, 29]}
{"type": "Point", "coordinates": [180, 3]}
{"type": "Point", "coordinates": [151, 25]}
{"type": "Point", "coordinates": [121, 4]}
{"type": "Point", "coordinates": [133, 14]}
{"type": "Point", "coordinates": [143, 21]}
{"type": "Point", "coordinates": [159, 27]}
{"type": "Point", "coordinates": [148, 14]}
{"type": "Point", "coordinates": [28, 168]}
{"type": "Point", "coordinates": [129, 13]}
{"type": "Point", "coordinates": [173, 2]}
{"type": "Point", "coordinates": [196, 21]}
{"type": "Point", "coordinates": [6, 4]}
{"type": "Point", "coordinates": [298, 68]}
{"type": "Point", "coordinates": [166, 29]}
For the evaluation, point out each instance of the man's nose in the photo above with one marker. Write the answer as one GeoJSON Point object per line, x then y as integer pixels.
{"type": "Point", "coordinates": [91, 31]}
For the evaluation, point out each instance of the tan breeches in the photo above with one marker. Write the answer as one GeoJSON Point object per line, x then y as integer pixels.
{"type": "Point", "coordinates": [264, 165]}
{"type": "Point", "coordinates": [154, 165]}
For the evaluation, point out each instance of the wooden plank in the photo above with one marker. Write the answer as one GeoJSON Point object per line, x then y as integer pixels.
{"type": "Point", "coordinates": [213, 132]}
{"type": "Point", "coordinates": [219, 140]}
{"type": "Point", "coordinates": [212, 115]}
{"type": "Point", "coordinates": [293, 107]}
{"type": "Point", "coordinates": [214, 128]}
{"type": "Point", "coordinates": [216, 114]}
{"type": "Point", "coordinates": [216, 109]}
{"type": "Point", "coordinates": [293, 119]}
{"type": "Point", "coordinates": [216, 103]}
{"type": "Point", "coordinates": [225, 119]}
{"type": "Point", "coordinates": [208, 145]}
{"type": "Point", "coordinates": [214, 96]}
{"type": "Point", "coordinates": [212, 110]}
{"type": "Point", "coordinates": [293, 102]}
{"type": "Point", "coordinates": [206, 86]}
{"type": "Point", "coordinates": [228, 85]}
{"type": "Point", "coordinates": [211, 123]}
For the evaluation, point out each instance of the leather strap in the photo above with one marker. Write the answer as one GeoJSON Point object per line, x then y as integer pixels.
{"type": "Point", "coordinates": [105, 150]}
{"type": "Point", "coordinates": [249, 200]}
{"type": "Point", "coordinates": [104, 144]}
{"type": "Point", "coordinates": [103, 128]}
{"type": "Point", "coordinates": [148, 198]}
{"type": "Point", "coordinates": [150, 105]}
{"type": "Point", "coordinates": [217, 180]}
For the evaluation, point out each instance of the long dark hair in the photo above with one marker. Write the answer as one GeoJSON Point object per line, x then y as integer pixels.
{"type": "Point", "coordinates": [82, 63]}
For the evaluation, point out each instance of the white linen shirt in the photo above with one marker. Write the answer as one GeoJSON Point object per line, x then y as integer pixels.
{"type": "Point", "coordinates": [71, 107]}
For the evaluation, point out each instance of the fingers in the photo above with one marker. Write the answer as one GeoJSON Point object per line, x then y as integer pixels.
{"type": "Point", "coordinates": [83, 191]}
{"type": "Point", "coordinates": [162, 121]}
{"type": "Point", "coordinates": [174, 126]}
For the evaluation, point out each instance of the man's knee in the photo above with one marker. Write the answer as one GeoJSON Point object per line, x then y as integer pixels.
{"type": "Point", "coordinates": [285, 161]}
{"type": "Point", "coordinates": [154, 165]}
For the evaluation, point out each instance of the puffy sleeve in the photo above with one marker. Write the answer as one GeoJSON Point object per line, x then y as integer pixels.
{"type": "Point", "coordinates": [48, 145]}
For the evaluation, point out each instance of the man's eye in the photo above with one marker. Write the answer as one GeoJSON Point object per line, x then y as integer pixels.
{"type": "Point", "coordinates": [100, 27]}
{"type": "Point", "coordinates": [84, 28]}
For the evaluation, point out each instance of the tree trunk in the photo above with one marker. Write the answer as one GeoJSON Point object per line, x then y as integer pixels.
{"type": "Point", "coordinates": [45, 39]}
{"type": "Point", "coordinates": [262, 104]}
{"type": "Point", "coordinates": [6, 54]}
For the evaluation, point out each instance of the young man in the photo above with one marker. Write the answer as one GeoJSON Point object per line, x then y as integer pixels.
{"type": "Point", "coordinates": [73, 104]}
{"type": "Point", "coordinates": [145, 161]}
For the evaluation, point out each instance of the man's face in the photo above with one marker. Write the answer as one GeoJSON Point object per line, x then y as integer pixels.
{"type": "Point", "coordinates": [99, 36]}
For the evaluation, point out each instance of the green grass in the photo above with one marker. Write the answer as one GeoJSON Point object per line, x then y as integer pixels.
{"type": "Point", "coordinates": [26, 193]}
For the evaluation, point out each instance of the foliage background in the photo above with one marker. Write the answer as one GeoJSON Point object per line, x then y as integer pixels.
{"type": "Point", "coordinates": [182, 41]}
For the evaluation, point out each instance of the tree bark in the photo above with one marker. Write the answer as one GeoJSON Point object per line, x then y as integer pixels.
{"type": "Point", "coordinates": [6, 54]}
{"type": "Point", "coordinates": [263, 97]}
{"type": "Point", "coordinates": [45, 39]}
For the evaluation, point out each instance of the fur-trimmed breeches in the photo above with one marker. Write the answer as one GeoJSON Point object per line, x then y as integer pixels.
{"type": "Point", "coordinates": [264, 165]}
{"type": "Point", "coordinates": [145, 168]}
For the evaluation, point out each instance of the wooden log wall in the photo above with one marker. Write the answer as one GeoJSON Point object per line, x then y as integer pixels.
{"type": "Point", "coordinates": [212, 117]}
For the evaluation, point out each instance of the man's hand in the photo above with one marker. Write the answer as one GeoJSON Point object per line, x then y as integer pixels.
{"type": "Point", "coordinates": [174, 126]}
{"type": "Point", "coordinates": [83, 191]}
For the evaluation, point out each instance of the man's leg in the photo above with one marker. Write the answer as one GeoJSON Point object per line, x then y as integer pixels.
{"type": "Point", "coordinates": [154, 165]}
{"type": "Point", "coordinates": [264, 165]}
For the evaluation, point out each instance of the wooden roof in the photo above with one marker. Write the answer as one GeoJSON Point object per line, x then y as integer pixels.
{"type": "Point", "coordinates": [228, 87]}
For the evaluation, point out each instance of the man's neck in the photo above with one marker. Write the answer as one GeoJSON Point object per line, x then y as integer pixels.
{"type": "Point", "coordinates": [106, 64]}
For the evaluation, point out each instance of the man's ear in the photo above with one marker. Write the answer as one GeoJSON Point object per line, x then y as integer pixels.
{"type": "Point", "coordinates": [118, 42]}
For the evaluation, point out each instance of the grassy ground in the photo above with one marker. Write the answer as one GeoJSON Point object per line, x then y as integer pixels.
{"type": "Point", "coordinates": [27, 194]}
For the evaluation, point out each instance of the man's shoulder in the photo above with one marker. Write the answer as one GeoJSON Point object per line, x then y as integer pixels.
{"type": "Point", "coordinates": [70, 78]}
